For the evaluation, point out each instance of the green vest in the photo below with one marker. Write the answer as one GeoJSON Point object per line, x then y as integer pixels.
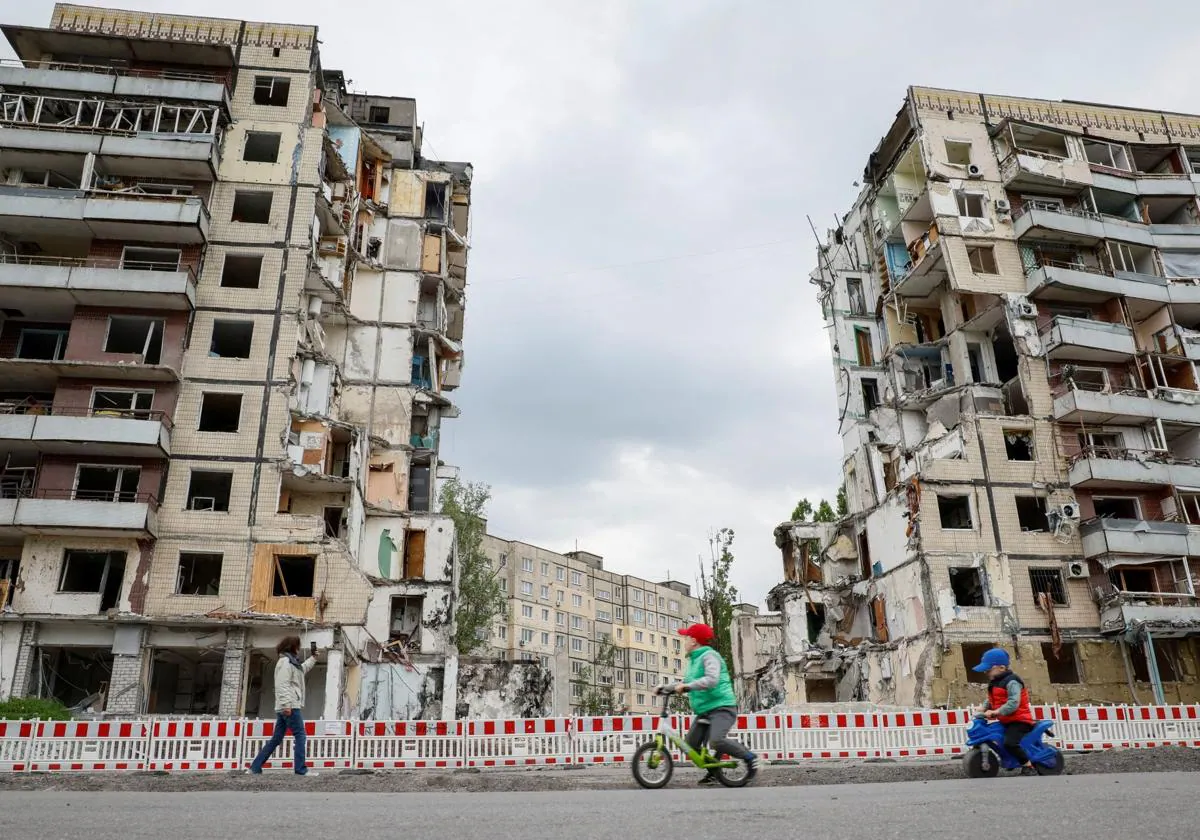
{"type": "Point", "coordinates": [720, 695]}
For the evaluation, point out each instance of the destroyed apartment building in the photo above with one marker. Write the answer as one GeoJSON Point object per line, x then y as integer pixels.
{"type": "Point", "coordinates": [1013, 305]}
{"type": "Point", "coordinates": [231, 322]}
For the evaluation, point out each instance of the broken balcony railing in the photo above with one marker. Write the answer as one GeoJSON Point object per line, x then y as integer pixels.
{"type": "Point", "coordinates": [34, 407]}
{"type": "Point", "coordinates": [164, 73]}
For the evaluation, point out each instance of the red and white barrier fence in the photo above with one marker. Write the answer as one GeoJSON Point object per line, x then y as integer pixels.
{"type": "Point", "coordinates": [205, 745]}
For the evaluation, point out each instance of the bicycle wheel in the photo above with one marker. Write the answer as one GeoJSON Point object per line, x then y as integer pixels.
{"type": "Point", "coordinates": [734, 777]}
{"type": "Point", "coordinates": [656, 776]}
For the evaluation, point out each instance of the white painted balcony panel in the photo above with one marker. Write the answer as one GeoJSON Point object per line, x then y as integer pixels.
{"type": "Point", "coordinates": [74, 516]}
{"type": "Point", "coordinates": [1090, 340]}
{"type": "Point", "coordinates": [84, 285]}
{"type": "Point", "coordinates": [1103, 537]}
{"type": "Point", "coordinates": [1123, 409]}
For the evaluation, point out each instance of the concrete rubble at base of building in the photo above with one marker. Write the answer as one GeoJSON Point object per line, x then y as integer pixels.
{"type": "Point", "coordinates": [1012, 306]}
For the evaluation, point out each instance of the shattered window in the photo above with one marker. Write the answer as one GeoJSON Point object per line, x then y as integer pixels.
{"type": "Point", "coordinates": [1049, 581]}
{"type": "Point", "coordinates": [1031, 513]}
{"type": "Point", "coordinates": [1062, 667]}
{"type": "Point", "coordinates": [955, 512]}
{"type": "Point", "coordinates": [972, 653]}
{"type": "Point", "coordinates": [1018, 444]}
{"type": "Point", "coordinates": [967, 585]}
{"type": "Point", "coordinates": [970, 204]}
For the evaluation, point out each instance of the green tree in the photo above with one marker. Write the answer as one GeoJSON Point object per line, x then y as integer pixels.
{"type": "Point", "coordinates": [825, 513]}
{"type": "Point", "coordinates": [717, 592]}
{"type": "Point", "coordinates": [480, 598]}
{"type": "Point", "coordinates": [597, 696]}
{"type": "Point", "coordinates": [842, 507]}
{"type": "Point", "coordinates": [802, 511]}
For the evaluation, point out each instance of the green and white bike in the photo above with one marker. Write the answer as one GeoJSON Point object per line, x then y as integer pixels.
{"type": "Point", "coordinates": [653, 765]}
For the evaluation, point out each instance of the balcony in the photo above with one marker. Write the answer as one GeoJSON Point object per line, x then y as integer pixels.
{"type": "Point", "coordinates": [1133, 537]}
{"type": "Point", "coordinates": [113, 81]}
{"type": "Point", "coordinates": [1088, 340]}
{"type": "Point", "coordinates": [927, 268]}
{"type": "Point", "coordinates": [1103, 466]}
{"type": "Point", "coordinates": [35, 212]}
{"type": "Point", "coordinates": [1077, 282]}
{"type": "Point", "coordinates": [61, 513]}
{"type": "Point", "coordinates": [63, 283]}
{"type": "Point", "coordinates": [1039, 171]}
{"type": "Point", "coordinates": [1059, 224]}
{"type": "Point", "coordinates": [1127, 407]}
{"type": "Point", "coordinates": [1166, 615]}
{"type": "Point", "coordinates": [66, 430]}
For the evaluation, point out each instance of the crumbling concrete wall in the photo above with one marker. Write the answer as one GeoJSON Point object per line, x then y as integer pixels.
{"type": "Point", "coordinates": [395, 691]}
{"type": "Point", "coordinates": [504, 690]}
{"type": "Point", "coordinates": [10, 646]}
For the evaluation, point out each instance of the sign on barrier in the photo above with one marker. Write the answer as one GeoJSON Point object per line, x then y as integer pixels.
{"type": "Point", "coordinates": [16, 740]}
{"type": "Point", "coordinates": [89, 746]}
{"type": "Point", "coordinates": [516, 743]}
{"type": "Point", "coordinates": [402, 745]}
{"type": "Point", "coordinates": [611, 740]}
{"type": "Point", "coordinates": [1164, 726]}
{"type": "Point", "coordinates": [196, 745]}
{"type": "Point", "coordinates": [923, 734]}
{"type": "Point", "coordinates": [1087, 728]}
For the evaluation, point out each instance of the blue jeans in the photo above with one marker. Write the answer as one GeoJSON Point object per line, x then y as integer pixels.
{"type": "Point", "coordinates": [294, 722]}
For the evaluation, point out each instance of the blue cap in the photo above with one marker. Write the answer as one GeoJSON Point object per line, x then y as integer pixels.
{"type": "Point", "coordinates": [993, 658]}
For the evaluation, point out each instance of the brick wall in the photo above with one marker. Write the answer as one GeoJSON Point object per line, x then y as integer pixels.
{"type": "Point", "coordinates": [89, 329]}
{"type": "Point", "coordinates": [77, 393]}
{"type": "Point", "coordinates": [191, 256]}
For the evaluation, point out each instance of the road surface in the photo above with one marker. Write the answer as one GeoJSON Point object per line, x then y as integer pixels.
{"type": "Point", "coordinates": [1091, 807]}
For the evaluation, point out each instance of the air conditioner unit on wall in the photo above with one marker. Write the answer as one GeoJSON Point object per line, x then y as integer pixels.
{"type": "Point", "coordinates": [974, 170]}
{"type": "Point", "coordinates": [1003, 206]}
{"type": "Point", "coordinates": [1077, 570]}
{"type": "Point", "coordinates": [1069, 511]}
{"type": "Point", "coordinates": [1027, 309]}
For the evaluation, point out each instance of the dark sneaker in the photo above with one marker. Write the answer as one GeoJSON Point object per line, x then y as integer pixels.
{"type": "Point", "coordinates": [708, 779]}
{"type": "Point", "coordinates": [1029, 771]}
{"type": "Point", "coordinates": [752, 765]}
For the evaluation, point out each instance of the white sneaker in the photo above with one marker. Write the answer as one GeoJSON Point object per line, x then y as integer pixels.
{"type": "Point", "coordinates": [308, 773]}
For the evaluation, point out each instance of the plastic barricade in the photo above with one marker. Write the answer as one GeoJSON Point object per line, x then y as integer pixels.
{"type": "Point", "coordinates": [16, 740]}
{"type": "Point", "coordinates": [405, 745]}
{"type": "Point", "coordinates": [1089, 728]}
{"type": "Point", "coordinates": [89, 746]}
{"type": "Point", "coordinates": [196, 745]}
{"type": "Point", "coordinates": [614, 740]}
{"type": "Point", "coordinates": [924, 734]}
{"type": "Point", "coordinates": [1163, 726]}
{"type": "Point", "coordinates": [518, 743]}
{"type": "Point", "coordinates": [762, 734]}
{"type": "Point", "coordinates": [329, 746]}
{"type": "Point", "coordinates": [830, 736]}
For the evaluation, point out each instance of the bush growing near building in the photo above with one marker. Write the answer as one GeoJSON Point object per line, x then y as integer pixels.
{"type": "Point", "coordinates": [33, 708]}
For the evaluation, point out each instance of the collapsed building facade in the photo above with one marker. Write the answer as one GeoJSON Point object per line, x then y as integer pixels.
{"type": "Point", "coordinates": [232, 298]}
{"type": "Point", "coordinates": [1013, 306]}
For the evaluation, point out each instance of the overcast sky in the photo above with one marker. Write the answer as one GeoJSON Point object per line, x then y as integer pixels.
{"type": "Point", "coordinates": [645, 358]}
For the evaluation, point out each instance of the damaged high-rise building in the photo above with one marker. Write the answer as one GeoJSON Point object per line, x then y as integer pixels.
{"type": "Point", "coordinates": [1013, 305]}
{"type": "Point", "coordinates": [231, 314]}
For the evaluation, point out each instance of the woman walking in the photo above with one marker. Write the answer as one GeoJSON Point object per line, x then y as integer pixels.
{"type": "Point", "coordinates": [289, 700]}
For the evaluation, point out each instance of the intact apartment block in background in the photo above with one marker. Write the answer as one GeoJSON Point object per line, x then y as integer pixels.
{"type": "Point", "coordinates": [231, 314]}
{"type": "Point", "coordinates": [566, 610]}
{"type": "Point", "coordinates": [1013, 305]}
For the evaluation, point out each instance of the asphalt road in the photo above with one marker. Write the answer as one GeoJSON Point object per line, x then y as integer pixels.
{"type": "Point", "coordinates": [1091, 807]}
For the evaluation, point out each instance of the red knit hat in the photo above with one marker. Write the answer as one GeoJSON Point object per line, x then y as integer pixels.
{"type": "Point", "coordinates": [702, 633]}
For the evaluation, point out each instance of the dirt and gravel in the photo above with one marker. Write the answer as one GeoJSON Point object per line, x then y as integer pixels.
{"type": "Point", "coordinates": [582, 778]}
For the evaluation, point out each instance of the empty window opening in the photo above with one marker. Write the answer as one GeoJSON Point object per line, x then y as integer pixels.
{"type": "Point", "coordinates": [955, 512]}
{"type": "Point", "coordinates": [1166, 655]}
{"type": "Point", "coordinates": [971, 204]}
{"type": "Point", "coordinates": [972, 653]}
{"type": "Point", "coordinates": [975, 360]}
{"type": "Point", "coordinates": [379, 114]}
{"type": "Point", "coordinates": [1085, 378]}
{"type": "Point", "coordinates": [295, 576]}
{"type": "Point", "coordinates": [107, 484]}
{"type": "Point", "coordinates": [78, 677]}
{"type": "Point", "coordinates": [958, 152]}
{"type": "Point", "coordinates": [122, 403]}
{"type": "Point", "coordinates": [231, 339]}
{"type": "Point", "coordinates": [91, 572]}
{"type": "Point", "coordinates": [414, 555]}
{"type": "Point", "coordinates": [135, 337]}
{"type": "Point", "coordinates": [241, 272]}
{"type": "Point", "coordinates": [1047, 143]}
{"type": "Point", "coordinates": [862, 344]}
{"type": "Point", "coordinates": [1102, 444]}
{"type": "Point", "coordinates": [151, 259]}
{"type": "Point", "coordinates": [1109, 155]}
{"type": "Point", "coordinates": [983, 259]}
{"type": "Point", "coordinates": [879, 625]}
{"type": "Point", "coordinates": [188, 682]}
{"type": "Point", "coordinates": [1018, 444]}
{"type": "Point", "coordinates": [252, 208]}
{"type": "Point", "coordinates": [1063, 667]}
{"type": "Point", "coordinates": [272, 90]}
{"type": "Point", "coordinates": [10, 568]}
{"type": "Point", "coordinates": [820, 691]}
{"type": "Point", "coordinates": [815, 616]}
{"type": "Point", "coordinates": [1005, 355]}
{"type": "Point", "coordinates": [419, 488]}
{"type": "Point", "coordinates": [1116, 507]}
{"type": "Point", "coordinates": [436, 199]}
{"type": "Point", "coordinates": [220, 412]}
{"type": "Point", "coordinates": [49, 345]}
{"type": "Point", "coordinates": [333, 522]}
{"type": "Point", "coordinates": [870, 395]}
{"type": "Point", "coordinates": [967, 585]}
{"type": "Point", "coordinates": [1049, 581]}
{"type": "Point", "coordinates": [405, 625]}
{"type": "Point", "coordinates": [199, 573]}
{"type": "Point", "coordinates": [1031, 513]}
{"type": "Point", "coordinates": [209, 490]}
{"type": "Point", "coordinates": [261, 147]}
{"type": "Point", "coordinates": [1118, 256]}
{"type": "Point", "coordinates": [854, 291]}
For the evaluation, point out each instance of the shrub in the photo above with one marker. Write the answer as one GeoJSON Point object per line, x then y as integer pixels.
{"type": "Point", "coordinates": [29, 708]}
